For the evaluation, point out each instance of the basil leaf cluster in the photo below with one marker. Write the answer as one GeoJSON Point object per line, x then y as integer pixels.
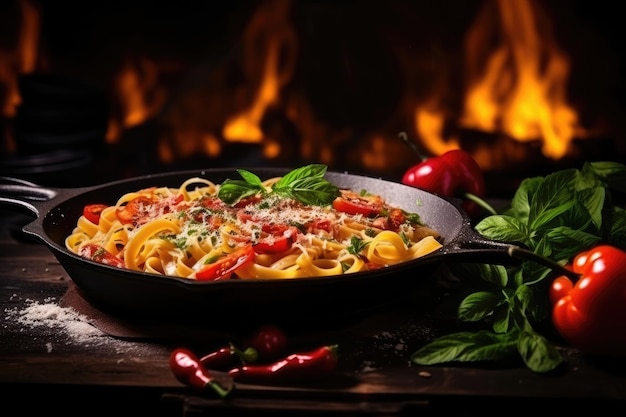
{"type": "Point", "coordinates": [305, 184]}
{"type": "Point", "coordinates": [556, 216]}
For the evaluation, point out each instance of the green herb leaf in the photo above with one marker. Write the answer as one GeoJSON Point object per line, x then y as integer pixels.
{"type": "Point", "coordinates": [312, 191]}
{"type": "Point", "coordinates": [307, 185]}
{"type": "Point", "coordinates": [538, 354]}
{"type": "Point", "coordinates": [231, 191]}
{"type": "Point", "coordinates": [307, 171]}
{"type": "Point", "coordinates": [251, 178]}
{"type": "Point", "coordinates": [467, 347]}
{"type": "Point", "coordinates": [552, 197]}
{"type": "Point", "coordinates": [612, 173]}
{"type": "Point", "coordinates": [356, 245]}
{"type": "Point", "coordinates": [504, 228]}
{"type": "Point", "coordinates": [478, 305]}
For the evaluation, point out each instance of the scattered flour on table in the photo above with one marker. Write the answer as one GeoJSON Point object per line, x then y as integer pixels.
{"type": "Point", "coordinates": [61, 327]}
{"type": "Point", "coordinates": [54, 317]}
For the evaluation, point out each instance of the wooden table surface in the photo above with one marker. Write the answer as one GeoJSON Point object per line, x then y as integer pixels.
{"type": "Point", "coordinates": [113, 371]}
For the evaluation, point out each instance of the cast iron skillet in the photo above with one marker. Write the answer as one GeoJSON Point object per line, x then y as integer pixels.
{"type": "Point", "coordinates": [138, 294]}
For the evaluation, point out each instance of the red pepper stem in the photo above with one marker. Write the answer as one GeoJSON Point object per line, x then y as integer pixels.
{"type": "Point", "coordinates": [412, 145]}
{"type": "Point", "coordinates": [518, 252]}
{"type": "Point", "coordinates": [480, 202]}
{"type": "Point", "coordinates": [247, 355]}
{"type": "Point", "coordinates": [218, 389]}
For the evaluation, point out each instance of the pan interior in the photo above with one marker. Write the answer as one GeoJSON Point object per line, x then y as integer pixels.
{"type": "Point", "coordinates": [435, 212]}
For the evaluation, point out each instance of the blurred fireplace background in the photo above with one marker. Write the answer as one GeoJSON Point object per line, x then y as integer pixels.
{"type": "Point", "coordinates": [97, 91]}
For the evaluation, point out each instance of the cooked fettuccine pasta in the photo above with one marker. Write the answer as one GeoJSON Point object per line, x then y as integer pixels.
{"type": "Point", "coordinates": [298, 225]}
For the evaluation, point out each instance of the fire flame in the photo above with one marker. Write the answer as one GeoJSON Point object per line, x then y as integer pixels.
{"type": "Point", "coordinates": [518, 87]}
{"type": "Point", "coordinates": [270, 42]}
{"type": "Point", "coordinates": [22, 60]}
{"type": "Point", "coordinates": [515, 86]}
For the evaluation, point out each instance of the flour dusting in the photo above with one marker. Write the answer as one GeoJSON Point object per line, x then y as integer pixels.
{"type": "Point", "coordinates": [56, 318]}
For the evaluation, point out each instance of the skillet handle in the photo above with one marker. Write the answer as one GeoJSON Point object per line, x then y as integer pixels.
{"type": "Point", "coordinates": [18, 192]}
{"type": "Point", "coordinates": [477, 249]}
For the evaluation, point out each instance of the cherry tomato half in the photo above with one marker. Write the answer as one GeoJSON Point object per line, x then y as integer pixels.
{"type": "Point", "coordinates": [353, 203]}
{"type": "Point", "coordinates": [92, 212]}
{"type": "Point", "coordinates": [223, 268]}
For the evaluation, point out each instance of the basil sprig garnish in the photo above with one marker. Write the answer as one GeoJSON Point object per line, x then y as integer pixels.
{"type": "Point", "coordinates": [305, 184]}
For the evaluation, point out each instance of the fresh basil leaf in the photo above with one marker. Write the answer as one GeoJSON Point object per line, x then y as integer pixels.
{"type": "Point", "coordinates": [537, 353]}
{"type": "Point", "coordinates": [478, 305]}
{"type": "Point", "coordinates": [310, 190]}
{"type": "Point", "coordinates": [503, 228]}
{"type": "Point", "coordinates": [250, 178]}
{"type": "Point", "coordinates": [554, 192]}
{"type": "Point", "coordinates": [612, 173]}
{"type": "Point", "coordinates": [501, 320]}
{"type": "Point", "coordinates": [548, 217]}
{"type": "Point", "coordinates": [566, 242]}
{"type": "Point", "coordinates": [593, 200]}
{"type": "Point", "coordinates": [231, 191]}
{"type": "Point", "coordinates": [520, 204]}
{"type": "Point", "coordinates": [467, 347]}
{"type": "Point", "coordinates": [618, 228]}
{"type": "Point", "coordinates": [307, 171]}
{"type": "Point", "coordinates": [523, 297]}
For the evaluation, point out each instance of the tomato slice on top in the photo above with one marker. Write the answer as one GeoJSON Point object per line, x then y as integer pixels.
{"type": "Point", "coordinates": [280, 239]}
{"type": "Point", "coordinates": [224, 267]}
{"type": "Point", "coordinates": [353, 203]}
{"type": "Point", "coordinates": [133, 210]}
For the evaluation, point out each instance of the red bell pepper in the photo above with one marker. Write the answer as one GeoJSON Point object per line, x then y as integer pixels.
{"type": "Point", "coordinates": [452, 174]}
{"type": "Point", "coordinates": [591, 314]}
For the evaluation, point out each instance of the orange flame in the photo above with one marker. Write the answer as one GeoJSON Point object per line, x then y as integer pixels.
{"type": "Point", "coordinates": [23, 60]}
{"type": "Point", "coordinates": [518, 88]}
{"type": "Point", "coordinates": [140, 94]}
{"type": "Point", "coordinates": [270, 53]}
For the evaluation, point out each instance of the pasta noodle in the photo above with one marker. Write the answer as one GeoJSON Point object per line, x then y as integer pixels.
{"type": "Point", "coordinates": [195, 232]}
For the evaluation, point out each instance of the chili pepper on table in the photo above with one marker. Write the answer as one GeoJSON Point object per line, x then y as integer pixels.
{"type": "Point", "coordinates": [297, 367]}
{"type": "Point", "coordinates": [591, 313]}
{"type": "Point", "coordinates": [455, 173]}
{"type": "Point", "coordinates": [227, 356]}
{"type": "Point", "coordinates": [266, 343]}
{"type": "Point", "coordinates": [187, 368]}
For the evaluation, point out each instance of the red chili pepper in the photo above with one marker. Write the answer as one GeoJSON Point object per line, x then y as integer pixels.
{"type": "Point", "coordinates": [269, 341]}
{"type": "Point", "coordinates": [297, 367]}
{"type": "Point", "coordinates": [187, 369]}
{"type": "Point", "coordinates": [225, 357]}
{"type": "Point", "coordinates": [590, 315]}
{"type": "Point", "coordinates": [452, 174]}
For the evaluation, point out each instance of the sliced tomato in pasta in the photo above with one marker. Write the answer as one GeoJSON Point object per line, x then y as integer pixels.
{"type": "Point", "coordinates": [224, 267]}
{"type": "Point", "coordinates": [280, 239]}
{"type": "Point", "coordinates": [92, 212]}
{"type": "Point", "coordinates": [353, 203]}
{"type": "Point", "coordinates": [99, 254]}
{"type": "Point", "coordinates": [133, 210]}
